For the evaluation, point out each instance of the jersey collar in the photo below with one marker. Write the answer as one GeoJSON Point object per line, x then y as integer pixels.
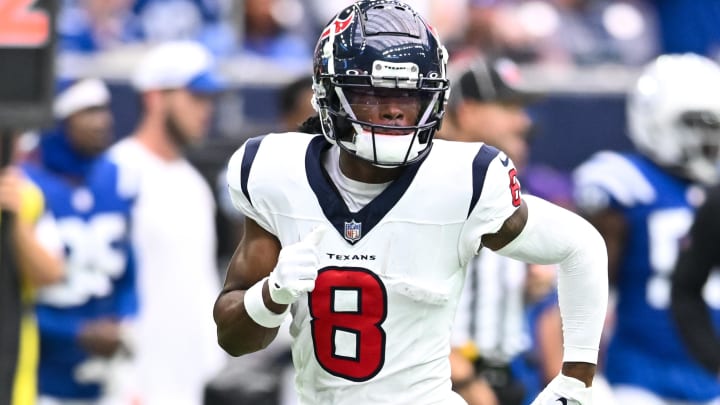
{"type": "Point", "coordinates": [351, 226]}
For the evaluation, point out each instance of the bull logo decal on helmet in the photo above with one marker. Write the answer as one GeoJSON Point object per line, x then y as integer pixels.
{"type": "Point", "coordinates": [340, 25]}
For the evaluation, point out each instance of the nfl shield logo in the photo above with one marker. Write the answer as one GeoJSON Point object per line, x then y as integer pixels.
{"type": "Point", "coordinates": [353, 231]}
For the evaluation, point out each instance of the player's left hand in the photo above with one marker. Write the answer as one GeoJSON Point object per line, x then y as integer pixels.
{"type": "Point", "coordinates": [564, 390]}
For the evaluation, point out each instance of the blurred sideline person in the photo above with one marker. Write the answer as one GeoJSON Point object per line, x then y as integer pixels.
{"type": "Point", "coordinates": [81, 319]}
{"type": "Point", "coordinates": [696, 281]}
{"type": "Point", "coordinates": [173, 224]}
{"type": "Point", "coordinates": [361, 236]}
{"type": "Point", "coordinates": [643, 204]}
{"type": "Point", "coordinates": [39, 262]}
{"type": "Point", "coordinates": [489, 329]}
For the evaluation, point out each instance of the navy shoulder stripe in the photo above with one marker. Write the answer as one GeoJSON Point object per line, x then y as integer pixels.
{"type": "Point", "coordinates": [251, 150]}
{"type": "Point", "coordinates": [480, 166]}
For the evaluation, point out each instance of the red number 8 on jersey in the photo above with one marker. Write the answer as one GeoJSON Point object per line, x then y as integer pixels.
{"type": "Point", "coordinates": [348, 306]}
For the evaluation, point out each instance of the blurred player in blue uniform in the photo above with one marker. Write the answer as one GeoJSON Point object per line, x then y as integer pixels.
{"type": "Point", "coordinates": [643, 204]}
{"type": "Point", "coordinates": [81, 318]}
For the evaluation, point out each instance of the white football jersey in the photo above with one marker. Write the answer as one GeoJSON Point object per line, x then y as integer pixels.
{"type": "Point", "coordinates": [376, 328]}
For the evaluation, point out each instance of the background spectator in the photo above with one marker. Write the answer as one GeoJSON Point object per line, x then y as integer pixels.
{"type": "Point", "coordinates": [267, 29]}
{"type": "Point", "coordinates": [173, 224]}
{"type": "Point", "coordinates": [101, 25]}
{"type": "Point", "coordinates": [94, 25]}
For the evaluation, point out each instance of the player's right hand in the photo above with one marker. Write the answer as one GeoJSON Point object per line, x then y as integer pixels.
{"type": "Point", "coordinates": [296, 268]}
{"type": "Point", "coordinates": [564, 390]}
{"type": "Point", "coordinates": [100, 337]}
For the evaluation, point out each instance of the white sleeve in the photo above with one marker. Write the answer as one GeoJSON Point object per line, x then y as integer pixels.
{"type": "Point", "coordinates": [555, 235]}
{"type": "Point", "coordinates": [239, 189]}
{"type": "Point", "coordinates": [499, 197]}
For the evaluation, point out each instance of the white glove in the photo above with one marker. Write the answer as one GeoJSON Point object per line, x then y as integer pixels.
{"type": "Point", "coordinates": [564, 390]}
{"type": "Point", "coordinates": [296, 268]}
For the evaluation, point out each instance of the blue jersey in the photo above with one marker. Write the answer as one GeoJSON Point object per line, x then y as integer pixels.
{"type": "Point", "coordinates": [645, 349]}
{"type": "Point", "coordinates": [93, 220]}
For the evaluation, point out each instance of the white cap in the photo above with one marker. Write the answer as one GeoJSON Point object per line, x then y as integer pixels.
{"type": "Point", "coordinates": [79, 95]}
{"type": "Point", "coordinates": [176, 65]}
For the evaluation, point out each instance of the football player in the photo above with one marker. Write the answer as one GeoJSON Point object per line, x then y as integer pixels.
{"type": "Point", "coordinates": [643, 204]}
{"type": "Point", "coordinates": [363, 229]}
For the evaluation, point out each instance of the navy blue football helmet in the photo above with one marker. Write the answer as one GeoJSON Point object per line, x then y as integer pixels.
{"type": "Point", "coordinates": [380, 48]}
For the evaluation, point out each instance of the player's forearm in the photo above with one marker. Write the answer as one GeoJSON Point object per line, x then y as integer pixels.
{"type": "Point", "coordinates": [237, 332]}
{"type": "Point", "coordinates": [555, 235]}
{"type": "Point", "coordinates": [583, 294]}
